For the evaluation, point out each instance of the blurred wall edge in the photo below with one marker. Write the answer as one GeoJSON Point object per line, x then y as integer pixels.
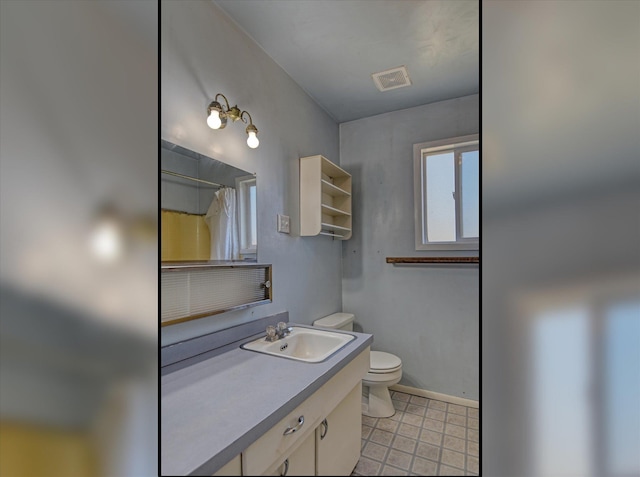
{"type": "Point", "coordinates": [78, 310]}
{"type": "Point", "coordinates": [560, 238]}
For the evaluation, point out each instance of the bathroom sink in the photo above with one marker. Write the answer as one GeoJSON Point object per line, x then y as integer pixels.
{"type": "Point", "coordinates": [302, 344]}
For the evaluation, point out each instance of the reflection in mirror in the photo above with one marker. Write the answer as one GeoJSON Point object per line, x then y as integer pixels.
{"type": "Point", "coordinates": [208, 208]}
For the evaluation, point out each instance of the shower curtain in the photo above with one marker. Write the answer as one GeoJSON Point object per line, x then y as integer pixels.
{"type": "Point", "coordinates": [223, 225]}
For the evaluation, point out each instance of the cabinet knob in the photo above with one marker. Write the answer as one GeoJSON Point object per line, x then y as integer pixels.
{"type": "Point", "coordinates": [291, 430]}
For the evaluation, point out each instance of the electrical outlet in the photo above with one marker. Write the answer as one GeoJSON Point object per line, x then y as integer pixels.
{"type": "Point", "coordinates": [283, 224]}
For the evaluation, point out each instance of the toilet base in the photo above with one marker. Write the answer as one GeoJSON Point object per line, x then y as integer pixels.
{"type": "Point", "coordinates": [378, 403]}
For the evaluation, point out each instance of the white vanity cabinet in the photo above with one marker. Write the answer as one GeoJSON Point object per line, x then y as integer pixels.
{"type": "Point", "coordinates": [301, 444]}
{"type": "Point", "coordinates": [325, 198]}
{"type": "Point", "coordinates": [338, 436]}
{"type": "Point", "coordinates": [301, 461]}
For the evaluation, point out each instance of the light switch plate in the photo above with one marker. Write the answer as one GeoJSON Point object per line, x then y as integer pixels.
{"type": "Point", "coordinates": [283, 224]}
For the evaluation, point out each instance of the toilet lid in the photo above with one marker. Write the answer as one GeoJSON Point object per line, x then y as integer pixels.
{"type": "Point", "coordinates": [381, 360]}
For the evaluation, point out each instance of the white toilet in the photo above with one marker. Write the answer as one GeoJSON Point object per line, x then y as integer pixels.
{"type": "Point", "coordinates": [385, 370]}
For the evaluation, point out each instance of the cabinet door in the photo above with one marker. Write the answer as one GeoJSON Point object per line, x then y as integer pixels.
{"type": "Point", "coordinates": [301, 461]}
{"type": "Point", "coordinates": [338, 439]}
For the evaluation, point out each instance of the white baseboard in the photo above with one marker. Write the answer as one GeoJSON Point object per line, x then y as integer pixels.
{"type": "Point", "coordinates": [435, 396]}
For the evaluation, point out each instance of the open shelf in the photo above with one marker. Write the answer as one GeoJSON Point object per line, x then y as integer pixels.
{"type": "Point", "coordinates": [328, 210]}
{"type": "Point", "coordinates": [329, 234]}
{"type": "Point", "coordinates": [325, 198]}
{"type": "Point", "coordinates": [331, 189]}
{"type": "Point", "coordinates": [334, 227]}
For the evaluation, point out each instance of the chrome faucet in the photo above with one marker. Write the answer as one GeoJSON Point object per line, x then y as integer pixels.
{"type": "Point", "coordinates": [283, 330]}
{"type": "Point", "coordinates": [276, 333]}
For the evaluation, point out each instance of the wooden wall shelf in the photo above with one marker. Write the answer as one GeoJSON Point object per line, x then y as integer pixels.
{"type": "Point", "coordinates": [437, 260]}
{"type": "Point", "coordinates": [325, 198]}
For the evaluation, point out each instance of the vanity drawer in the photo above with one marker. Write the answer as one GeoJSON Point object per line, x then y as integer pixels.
{"type": "Point", "coordinates": [267, 452]}
{"type": "Point", "coordinates": [269, 449]}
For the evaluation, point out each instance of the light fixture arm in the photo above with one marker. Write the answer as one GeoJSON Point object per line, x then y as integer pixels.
{"type": "Point", "coordinates": [225, 100]}
{"type": "Point", "coordinates": [251, 127]}
{"type": "Point", "coordinates": [244, 120]}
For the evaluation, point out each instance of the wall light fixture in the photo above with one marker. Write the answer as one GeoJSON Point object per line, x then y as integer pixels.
{"type": "Point", "coordinates": [217, 115]}
{"type": "Point", "coordinates": [114, 231]}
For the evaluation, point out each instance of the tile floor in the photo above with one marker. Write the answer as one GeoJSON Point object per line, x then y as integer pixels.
{"type": "Point", "coordinates": [424, 437]}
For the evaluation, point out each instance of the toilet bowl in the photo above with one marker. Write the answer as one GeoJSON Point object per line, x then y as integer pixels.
{"type": "Point", "coordinates": [385, 370]}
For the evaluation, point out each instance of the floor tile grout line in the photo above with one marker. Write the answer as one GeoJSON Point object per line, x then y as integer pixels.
{"type": "Point", "coordinates": [446, 412]}
{"type": "Point", "coordinates": [421, 428]}
{"type": "Point", "coordinates": [464, 457]}
{"type": "Point", "coordinates": [415, 454]}
{"type": "Point", "coordinates": [371, 458]}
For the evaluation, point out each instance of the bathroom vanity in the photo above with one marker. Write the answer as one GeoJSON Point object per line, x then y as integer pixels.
{"type": "Point", "coordinates": [247, 413]}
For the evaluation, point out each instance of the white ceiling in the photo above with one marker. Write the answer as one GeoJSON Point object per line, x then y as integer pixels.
{"type": "Point", "coordinates": [331, 48]}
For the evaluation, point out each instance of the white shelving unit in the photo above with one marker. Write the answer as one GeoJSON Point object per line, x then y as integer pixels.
{"type": "Point", "coordinates": [325, 198]}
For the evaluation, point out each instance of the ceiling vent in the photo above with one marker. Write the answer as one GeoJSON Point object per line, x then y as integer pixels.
{"type": "Point", "coordinates": [392, 79]}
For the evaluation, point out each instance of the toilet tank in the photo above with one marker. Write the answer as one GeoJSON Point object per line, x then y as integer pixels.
{"type": "Point", "coordinates": [337, 321]}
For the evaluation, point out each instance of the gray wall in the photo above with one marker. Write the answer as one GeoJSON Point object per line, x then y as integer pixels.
{"type": "Point", "coordinates": [426, 315]}
{"type": "Point", "coordinates": [203, 53]}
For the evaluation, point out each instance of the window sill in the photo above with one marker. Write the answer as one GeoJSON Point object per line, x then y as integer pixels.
{"type": "Point", "coordinates": [471, 246]}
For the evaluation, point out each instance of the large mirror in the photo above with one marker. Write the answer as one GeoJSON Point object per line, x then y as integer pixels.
{"type": "Point", "coordinates": [208, 208]}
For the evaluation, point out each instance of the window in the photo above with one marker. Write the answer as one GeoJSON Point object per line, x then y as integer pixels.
{"type": "Point", "coordinates": [581, 347]}
{"type": "Point", "coordinates": [447, 194]}
{"type": "Point", "coordinates": [247, 216]}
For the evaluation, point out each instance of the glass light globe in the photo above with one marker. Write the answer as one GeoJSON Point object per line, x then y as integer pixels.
{"type": "Point", "coordinates": [214, 121]}
{"type": "Point", "coordinates": [106, 240]}
{"type": "Point", "coordinates": [252, 140]}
